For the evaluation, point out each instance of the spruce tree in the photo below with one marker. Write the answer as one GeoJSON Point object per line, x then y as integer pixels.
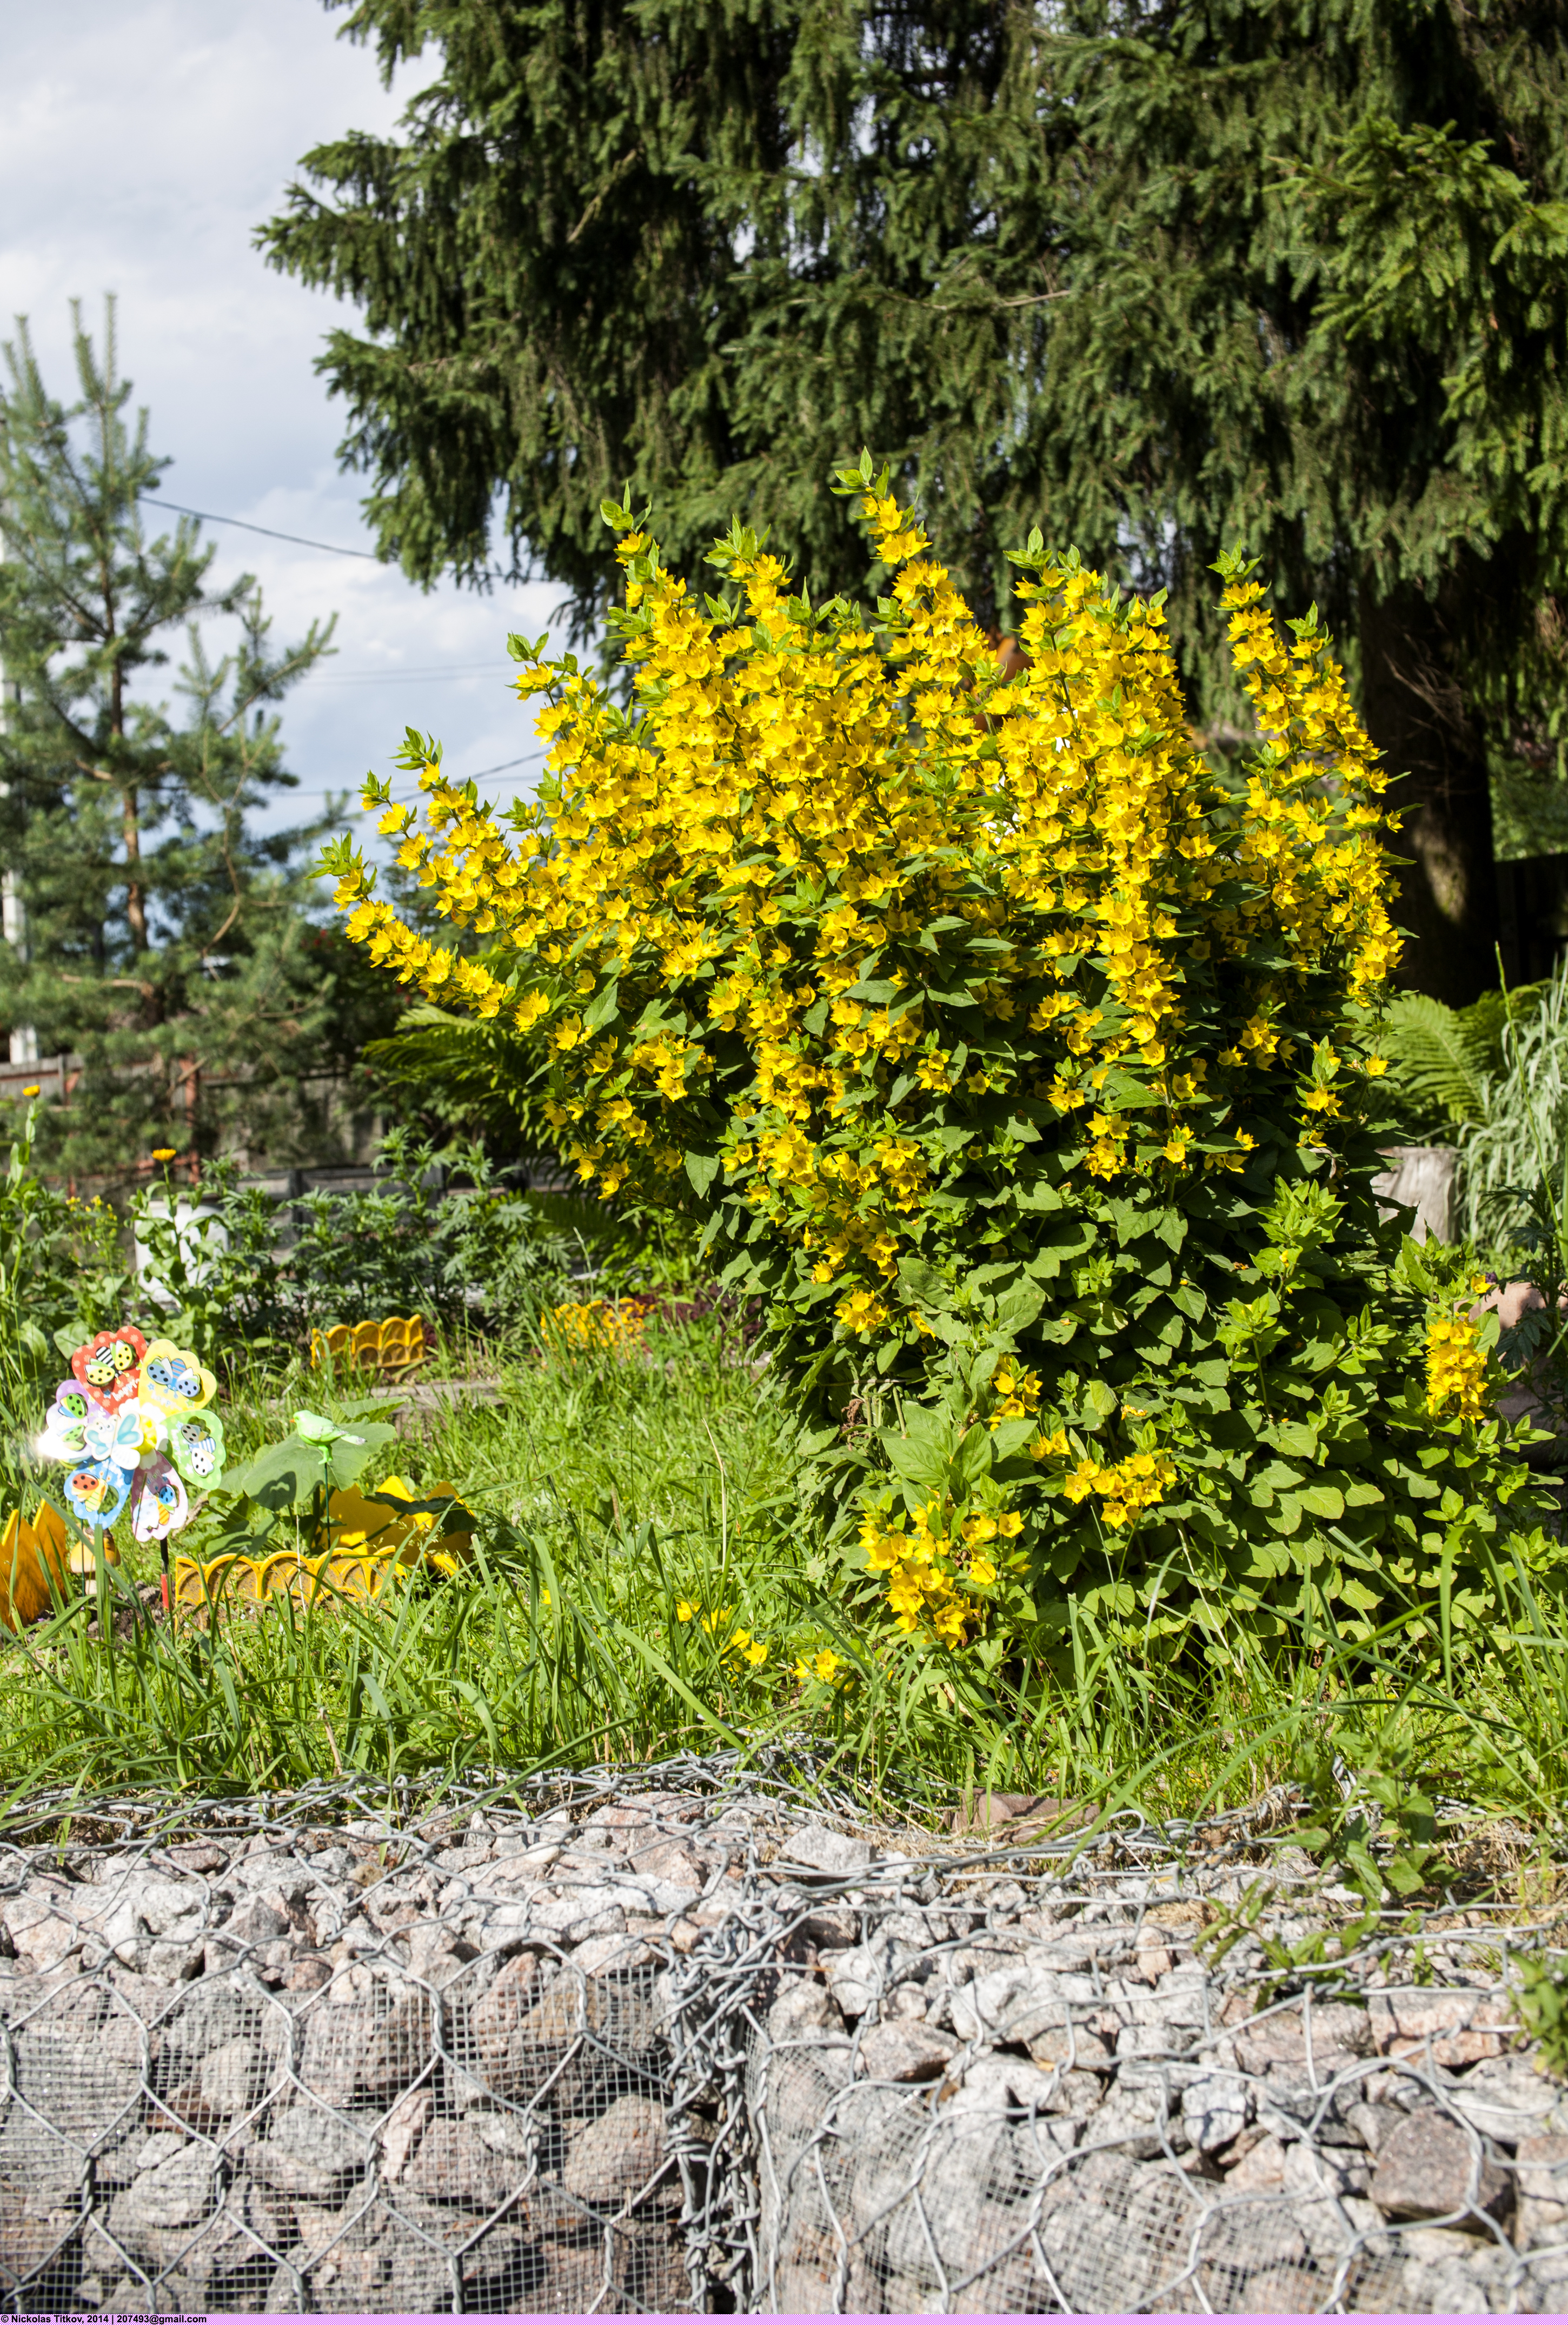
{"type": "Point", "coordinates": [1162, 277]}
{"type": "Point", "coordinates": [151, 929]}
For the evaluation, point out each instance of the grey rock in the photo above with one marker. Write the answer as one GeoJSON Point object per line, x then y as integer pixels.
{"type": "Point", "coordinates": [32, 2233]}
{"type": "Point", "coordinates": [335, 2044]}
{"type": "Point", "coordinates": [673, 1862]}
{"type": "Point", "coordinates": [826, 1851]}
{"type": "Point", "coordinates": [455, 2166]}
{"type": "Point", "coordinates": [1070, 2045]}
{"type": "Point", "coordinates": [232, 2078]}
{"type": "Point", "coordinates": [613, 2158]}
{"type": "Point", "coordinates": [1011, 2005]}
{"type": "Point", "coordinates": [997, 2085]}
{"type": "Point", "coordinates": [1105, 2272]}
{"type": "Point", "coordinates": [256, 1923]}
{"type": "Point", "coordinates": [308, 2153]}
{"type": "Point", "coordinates": [501, 2009]}
{"type": "Point", "coordinates": [1542, 2178]}
{"type": "Point", "coordinates": [862, 1975]}
{"type": "Point", "coordinates": [179, 2190]}
{"type": "Point", "coordinates": [905, 2050]}
{"type": "Point", "coordinates": [1284, 2035]}
{"type": "Point", "coordinates": [1429, 2167]}
{"type": "Point", "coordinates": [1138, 2119]}
{"type": "Point", "coordinates": [513, 2135]}
{"type": "Point", "coordinates": [158, 2147]}
{"type": "Point", "coordinates": [803, 2009]}
{"type": "Point", "coordinates": [1325, 2172]}
{"type": "Point", "coordinates": [1216, 2109]}
{"type": "Point", "coordinates": [1507, 2099]}
{"type": "Point", "coordinates": [1372, 2122]}
{"type": "Point", "coordinates": [77, 2092]}
{"type": "Point", "coordinates": [400, 2047]}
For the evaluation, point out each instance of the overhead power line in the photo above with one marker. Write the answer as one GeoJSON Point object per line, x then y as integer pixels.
{"type": "Point", "coordinates": [494, 666]}
{"type": "Point", "coordinates": [483, 775]}
{"type": "Point", "coordinates": [329, 548]}
{"type": "Point", "coordinates": [526, 760]}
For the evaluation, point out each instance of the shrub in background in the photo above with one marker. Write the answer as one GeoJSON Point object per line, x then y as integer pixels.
{"type": "Point", "coordinates": [1024, 1065]}
{"type": "Point", "coordinates": [474, 1256]}
{"type": "Point", "coordinates": [62, 1277]}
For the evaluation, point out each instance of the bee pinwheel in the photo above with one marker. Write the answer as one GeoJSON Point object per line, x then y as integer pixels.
{"type": "Point", "coordinates": [132, 1427]}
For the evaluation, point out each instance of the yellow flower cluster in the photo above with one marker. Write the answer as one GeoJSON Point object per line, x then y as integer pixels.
{"type": "Point", "coordinates": [1309, 732]}
{"type": "Point", "coordinates": [1017, 1389]}
{"type": "Point", "coordinates": [1456, 1369]}
{"type": "Point", "coordinates": [1126, 1488]}
{"type": "Point", "coordinates": [824, 1669]}
{"type": "Point", "coordinates": [736, 1644]}
{"type": "Point", "coordinates": [930, 1565]}
{"type": "Point", "coordinates": [619, 1327]}
{"type": "Point", "coordinates": [819, 886]}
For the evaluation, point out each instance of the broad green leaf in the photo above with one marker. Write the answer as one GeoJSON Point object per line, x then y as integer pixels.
{"type": "Point", "coordinates": [701, 1170]}
{"type": "Point", "coordinates": [972, 1460]}
{"type": "Point", "coordinates": [602, 1008]}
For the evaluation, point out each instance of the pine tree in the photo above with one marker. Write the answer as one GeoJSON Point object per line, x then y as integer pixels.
{"type": "Point", "coordinates": [1162, 277]}
{"type": "Point", "coordinates": [150, 928]}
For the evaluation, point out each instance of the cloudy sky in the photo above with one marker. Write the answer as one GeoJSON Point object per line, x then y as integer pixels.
{"type": "Point", "coordinates": [145, 140]}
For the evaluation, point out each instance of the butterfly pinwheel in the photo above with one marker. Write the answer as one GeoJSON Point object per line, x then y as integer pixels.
{"type": "Point", "coordinates": [132, 1426]}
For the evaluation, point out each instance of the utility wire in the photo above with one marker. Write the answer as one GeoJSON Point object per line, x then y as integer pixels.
{"type": "Point", "coordinates": [501, 770]}
{"type": "Point", "coordinates": [482, 776]}
{"type": "Point", "coordinates": [329, 548]}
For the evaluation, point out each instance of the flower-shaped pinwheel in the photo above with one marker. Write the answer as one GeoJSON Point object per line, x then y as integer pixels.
{"type": "Point", "coordinates": [131, 1426]}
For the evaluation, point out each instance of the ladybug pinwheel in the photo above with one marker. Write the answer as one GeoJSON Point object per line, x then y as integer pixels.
{"type": "Point", "coordinates": [132, 1426]}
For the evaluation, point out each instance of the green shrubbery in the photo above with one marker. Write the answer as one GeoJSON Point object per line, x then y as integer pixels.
{"type": "Point", "coordinates": [1027, 1067]}
{"type": "Point", "coordinates": [471, 1256]}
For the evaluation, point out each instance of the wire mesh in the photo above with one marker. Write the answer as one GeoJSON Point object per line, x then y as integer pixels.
{"type": "Point", "coordinates": [698, 2037]}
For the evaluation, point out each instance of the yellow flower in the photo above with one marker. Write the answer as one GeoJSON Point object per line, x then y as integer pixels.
{"type": "Point", "coordinates": [1375, 1065]}
{"type": "Point", "coordinates": [1456, 1368]}
{"type": "Point", "coordinates": [163, 1153]}
{"type": "Point", "coordinates": [861, 1312]}
{"type": "Point", "coordinates": [31, 1089]}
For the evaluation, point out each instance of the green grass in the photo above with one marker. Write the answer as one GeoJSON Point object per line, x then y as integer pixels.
{"type": "Point", "coordinates": [618, 1495]}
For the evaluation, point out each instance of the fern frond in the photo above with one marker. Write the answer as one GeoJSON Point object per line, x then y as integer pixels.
{"type": "Point", "coordinates": [576, 1215]}
{"type": "Point", "coordinates": [468, 1065]}
{"type": "Point", "coordinates": [1439, 1058]}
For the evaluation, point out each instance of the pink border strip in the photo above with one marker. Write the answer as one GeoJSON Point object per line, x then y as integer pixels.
{"type": "Point", "coordinates": [551, 2317]}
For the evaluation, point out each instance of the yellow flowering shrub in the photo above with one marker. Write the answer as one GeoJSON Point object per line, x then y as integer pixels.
{"type": "Point", "coordinates": [1019, 1052]}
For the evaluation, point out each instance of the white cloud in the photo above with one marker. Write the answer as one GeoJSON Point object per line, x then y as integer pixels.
{"type": "Point", "coordinates": [145, 141]}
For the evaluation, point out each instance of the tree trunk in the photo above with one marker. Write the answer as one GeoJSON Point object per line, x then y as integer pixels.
{"type": "Point", "coordinates": [136, 902]}
{"type": "Point", "coordinates": [1416, 713]}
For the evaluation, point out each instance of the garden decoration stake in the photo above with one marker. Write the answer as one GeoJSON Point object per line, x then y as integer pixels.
{"type": "Point", "coordinates": [133, 1427]}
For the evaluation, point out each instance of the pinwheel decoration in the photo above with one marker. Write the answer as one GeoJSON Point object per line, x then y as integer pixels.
{"type": "Point", "coordinates": [132, 1426]}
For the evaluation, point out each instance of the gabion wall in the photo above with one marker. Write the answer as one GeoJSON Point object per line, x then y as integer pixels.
{"type": "Point", "coordinates": [692, 2041]}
